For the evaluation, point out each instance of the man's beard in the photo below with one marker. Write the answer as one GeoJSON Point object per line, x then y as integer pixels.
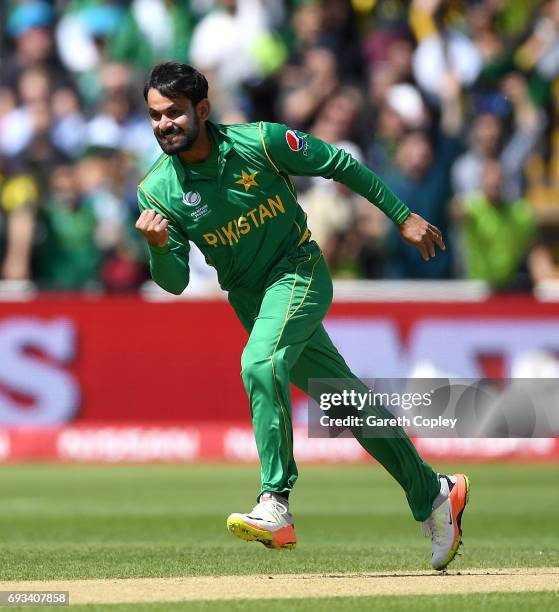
{"type": "Point", "coordinates": [183, 140]}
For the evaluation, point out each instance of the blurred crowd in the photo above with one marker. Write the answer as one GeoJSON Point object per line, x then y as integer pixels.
{"type": "Point", "coordinates": [453, 103]}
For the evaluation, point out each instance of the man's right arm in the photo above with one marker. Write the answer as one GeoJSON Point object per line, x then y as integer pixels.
{"type": "Point", "coordinates": [168, 247]}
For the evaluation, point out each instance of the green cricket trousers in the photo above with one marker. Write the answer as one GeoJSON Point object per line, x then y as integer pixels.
{"type": "Point", "coordinates": [288, 344]}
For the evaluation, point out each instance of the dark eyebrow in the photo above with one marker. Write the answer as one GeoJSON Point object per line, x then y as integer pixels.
{"type": "Point", "coordinates": [171, 106]}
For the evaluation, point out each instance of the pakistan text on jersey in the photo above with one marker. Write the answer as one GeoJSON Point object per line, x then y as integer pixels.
{"type": "Point", "coordinates": [237, 228]}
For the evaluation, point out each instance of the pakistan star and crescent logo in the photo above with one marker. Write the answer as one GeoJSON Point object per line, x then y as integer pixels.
{"type": "Point", "coordinates": [248, 180]}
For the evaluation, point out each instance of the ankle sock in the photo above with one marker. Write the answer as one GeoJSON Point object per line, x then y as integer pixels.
{"type": "Point", "coordinates": [447, 484]}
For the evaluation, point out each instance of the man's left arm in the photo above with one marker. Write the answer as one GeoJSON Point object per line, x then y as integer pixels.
{"type": "Point", "coordinates": [295, 153]}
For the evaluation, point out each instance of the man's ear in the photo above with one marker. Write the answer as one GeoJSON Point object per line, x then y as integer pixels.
{"type": "Point", "coordinates": [203, 109]}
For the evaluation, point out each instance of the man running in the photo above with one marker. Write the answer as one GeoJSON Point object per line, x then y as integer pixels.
{"type": "Point", "coordinates": [227, 188]}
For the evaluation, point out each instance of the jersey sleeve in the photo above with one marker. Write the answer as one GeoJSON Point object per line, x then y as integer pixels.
{"type": "Point", "coordinates": [295, 153]}
{"type": "Point", "coordinates": [168, 264]}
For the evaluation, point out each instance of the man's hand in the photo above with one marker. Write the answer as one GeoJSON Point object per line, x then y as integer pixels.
{"type": "Point", "coordinates": [153, 228]}
{"type": "Point", "coordinates": [417, 232]}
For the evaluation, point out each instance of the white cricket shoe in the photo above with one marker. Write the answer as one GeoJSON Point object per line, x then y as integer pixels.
{"type": "Point", "coordinates": [269, 522]}
{"type": "Point", "coordinates": [444, 526]}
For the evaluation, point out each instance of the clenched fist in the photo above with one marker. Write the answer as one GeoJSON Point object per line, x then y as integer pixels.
{"type": "Point", "coordinates": [153, 228]}
{"type": "Point", "coordinates": [417, 232]}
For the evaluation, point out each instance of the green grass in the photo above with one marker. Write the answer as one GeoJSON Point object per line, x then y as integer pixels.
{"type": "Point", "coordinates": [85, 522]}
{"type": "Point", "coordinates": [496, 602]}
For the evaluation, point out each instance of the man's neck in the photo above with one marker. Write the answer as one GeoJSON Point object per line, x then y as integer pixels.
{"type": "Point", "coordinates": [495, 202]}
{"type": "Point", "coordinates": [201, 149]}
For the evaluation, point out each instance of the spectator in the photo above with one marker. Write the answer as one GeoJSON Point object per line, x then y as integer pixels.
{"type": "Point", "coordinates": [543, 259]}
{"type": "Point", "coordinates": [26, 132]}
{"type": "Point", "coordinates": [68, 129]}
{"type": "Point", "coordinates": [119, 119]}
{"type": "Point", "coordinates": [541, 49]}
{"type": "Point", "coordinates": [19, 126]}
{"type": "Point", "coordinates": [371, 76]}
{"type": "Point", "coordinates": [84, 35]}
{"type": "Point", "coordinates": [401, 108]}
{"type": "Point", "coordinates": [496, 233]}
{"type": "Point", "coordinates": [19, 197]}
{"type": "Point", "coordinates": [487, 142]}
{"type": "Point", "coordinates": [308, 86]}
{"type": "Point", "coordinates": [69, 257]}
{"type": "Point", "coordinates": [441, 49]}
{"type": "Point", "coordinates": [339, 118]}
{"type": "Point", "coordinates": [153, 31]}
{"type": "Point", "coordinates": [421, 178]}
{"type": "Point", "coordinates": [29, 26]}
{"type": "Point", "coordinates": [101, 187]}
{"type": "Point", "coordinates": [84, 32]}
{"type": "Point", "coordinates": [223, 41]}
{"type": "Point", "coordinates": [347, 227]}
{"type": "Point", "coordinates": [330, 206]}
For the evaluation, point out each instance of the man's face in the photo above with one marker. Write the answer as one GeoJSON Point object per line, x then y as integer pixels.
{"type": "Point", "coordinates": [487, 134]}
{"type": "Point", "coordinates": [175, 122]}
{"type": "Point", "coordinates": [415, 155]}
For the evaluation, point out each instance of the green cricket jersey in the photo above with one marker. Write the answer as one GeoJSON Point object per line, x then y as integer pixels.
{"type": "Point", "coordinates": [240, 207]}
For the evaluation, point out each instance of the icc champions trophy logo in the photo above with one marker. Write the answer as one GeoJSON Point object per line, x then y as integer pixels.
{"type": "Point", "coordinates": [192, 198]}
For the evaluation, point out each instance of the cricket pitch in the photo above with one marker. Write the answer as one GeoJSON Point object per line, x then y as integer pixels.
{"type": "Point", "coordinates": [143, 590]}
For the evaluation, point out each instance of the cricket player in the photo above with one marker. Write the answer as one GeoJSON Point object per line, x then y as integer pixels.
{"type": "Point", "coordinates": [227, 188]}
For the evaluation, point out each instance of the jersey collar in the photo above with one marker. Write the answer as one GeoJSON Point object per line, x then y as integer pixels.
{"type": "Point", "coordinates": [225, 144]}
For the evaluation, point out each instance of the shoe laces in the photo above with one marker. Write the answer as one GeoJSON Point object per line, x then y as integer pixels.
{"type": "Point", "coordinates": [270, 506]}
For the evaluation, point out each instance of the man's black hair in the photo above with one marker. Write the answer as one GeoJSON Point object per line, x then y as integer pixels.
{"type": "Point", "coordinates": [174, 80]}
